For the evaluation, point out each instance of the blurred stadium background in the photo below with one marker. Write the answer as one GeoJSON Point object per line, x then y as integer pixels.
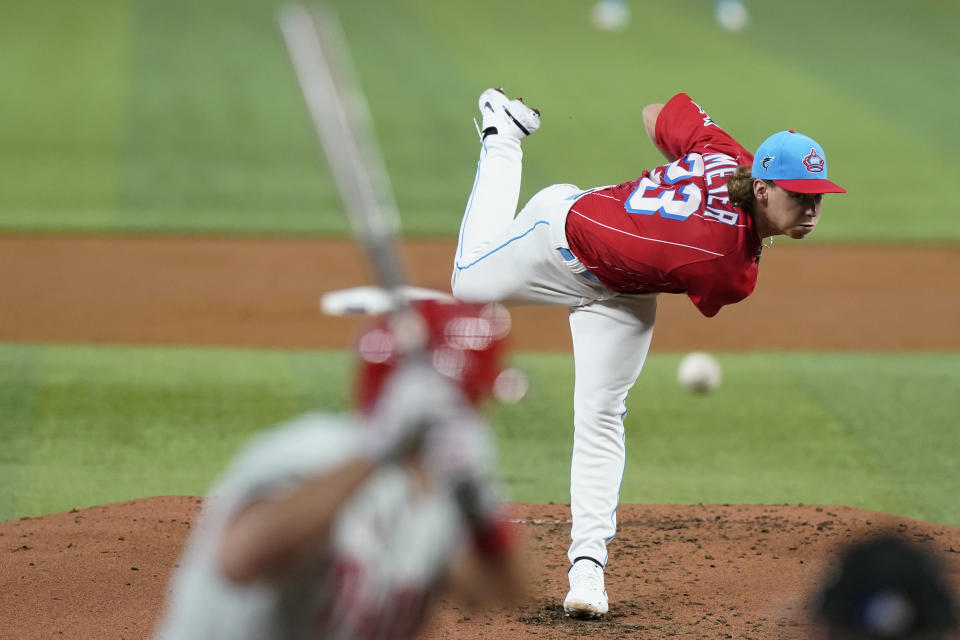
{"type": "Point", "coordinates": [182, 117]}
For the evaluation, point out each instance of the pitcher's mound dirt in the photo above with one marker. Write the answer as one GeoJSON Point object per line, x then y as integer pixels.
{"type": "Point", "coordinates": [674, 571]}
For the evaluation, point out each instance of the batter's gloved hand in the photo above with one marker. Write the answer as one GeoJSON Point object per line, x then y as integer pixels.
{"type": "Point", "coordinates": [414, 400]}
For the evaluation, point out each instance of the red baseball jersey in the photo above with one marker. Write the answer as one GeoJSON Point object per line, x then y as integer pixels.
{"type": "Point", "coordinates": [673, 229]}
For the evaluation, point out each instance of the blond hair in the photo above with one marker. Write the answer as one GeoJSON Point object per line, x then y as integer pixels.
{"type": "Point", "coordinates": [740, 188]}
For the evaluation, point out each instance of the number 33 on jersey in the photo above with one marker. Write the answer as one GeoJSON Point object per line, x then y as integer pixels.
{"type": "Point", "coordinates": [675, 191]}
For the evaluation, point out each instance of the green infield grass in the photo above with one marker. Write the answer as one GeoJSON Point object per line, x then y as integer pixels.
{"type": "Point", "coordinates": [184, 117]}
{"type": "Point", "coordinates": [91, 425]}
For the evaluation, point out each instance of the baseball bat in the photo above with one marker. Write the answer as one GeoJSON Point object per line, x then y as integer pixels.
{"type": "Point", "coordinates": [341, 117]}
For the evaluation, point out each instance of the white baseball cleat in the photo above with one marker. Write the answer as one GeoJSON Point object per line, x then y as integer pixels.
{"type": "Point", "coordinates": [587, 599]}
{"type": "Point", "coordinates": [506, 116]}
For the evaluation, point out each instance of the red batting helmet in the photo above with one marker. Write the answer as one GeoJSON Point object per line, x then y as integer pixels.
{"type": "Point", "coordinates": [464, 342]}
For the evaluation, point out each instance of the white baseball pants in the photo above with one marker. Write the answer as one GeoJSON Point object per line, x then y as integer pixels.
{"type": "Point", "coordinates": [526, 260]}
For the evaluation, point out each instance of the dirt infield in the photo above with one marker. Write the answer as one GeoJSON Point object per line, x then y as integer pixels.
{"type": "Point", "coordinates": [688, 572]}
{"type": "Point", "coordinates": [692, 572]}
{"type": "Point", "coordinates": [264, 293]}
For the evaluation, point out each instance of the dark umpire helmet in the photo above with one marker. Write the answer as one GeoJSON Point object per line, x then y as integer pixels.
{"type": "Point", "coordinates": [886, 588]}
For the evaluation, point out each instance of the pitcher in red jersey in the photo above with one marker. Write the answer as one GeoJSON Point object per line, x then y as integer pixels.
{"type": "Point", "coordinates": [692, 226]}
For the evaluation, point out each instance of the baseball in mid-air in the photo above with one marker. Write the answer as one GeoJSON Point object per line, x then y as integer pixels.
{"type": "Point", "coordinates": [699, 372]}
{"type": "Point", "coordinates": [731, 15]}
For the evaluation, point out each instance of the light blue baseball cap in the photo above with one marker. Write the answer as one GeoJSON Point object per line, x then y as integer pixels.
{"type": "Point", "coordinates": [794, 162]}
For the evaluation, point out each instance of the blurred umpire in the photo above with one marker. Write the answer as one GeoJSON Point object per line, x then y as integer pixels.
{"type": "Point", "coordinates": [887, 589]}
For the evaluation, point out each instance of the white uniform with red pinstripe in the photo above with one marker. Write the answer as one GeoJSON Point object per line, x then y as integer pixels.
{"type": "Point", "coordinates": [389, 547]}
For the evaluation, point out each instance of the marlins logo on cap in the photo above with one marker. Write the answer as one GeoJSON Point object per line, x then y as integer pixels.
{"type": "Point", "coordinates": [794, 162]}
{"type": "Point", "coordinates": [814, 162]}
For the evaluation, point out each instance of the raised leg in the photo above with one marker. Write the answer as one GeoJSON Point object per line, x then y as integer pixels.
{"type": "Point", "coordinates": [496, 190]}
{"type": "Point", "coordinates": [493, 201]}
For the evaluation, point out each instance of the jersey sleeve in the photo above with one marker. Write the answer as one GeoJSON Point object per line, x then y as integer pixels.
{"type": "Point", "coordinates": [683, 127]}
{"type": "Point", "coordinates": [710, 289]}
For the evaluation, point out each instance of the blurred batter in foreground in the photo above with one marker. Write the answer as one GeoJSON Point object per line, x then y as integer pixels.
{"type": "Point", "coordinates": [348, 526]}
